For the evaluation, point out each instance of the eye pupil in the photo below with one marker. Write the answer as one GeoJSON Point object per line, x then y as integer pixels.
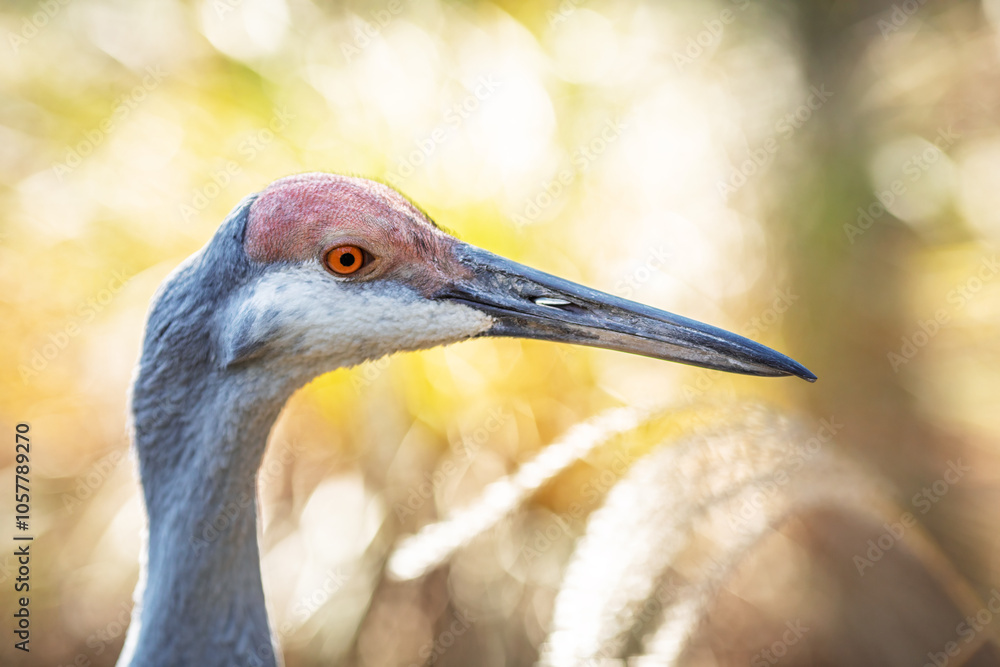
{"type": "Point", "coordinates": [345, 260]}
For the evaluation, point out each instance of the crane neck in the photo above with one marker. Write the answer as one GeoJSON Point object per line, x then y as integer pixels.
{"type": "Point", "coordinates": [203, 594]}
{"type": "Point", "coordinates": [199, 432]}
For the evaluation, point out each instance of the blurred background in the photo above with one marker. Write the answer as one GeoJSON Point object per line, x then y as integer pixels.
{"type": "Point", "coordinates": [822, 176]}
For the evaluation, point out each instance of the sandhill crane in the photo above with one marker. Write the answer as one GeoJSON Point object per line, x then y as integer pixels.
{"type": "Point", "coordinates": [314, 273]}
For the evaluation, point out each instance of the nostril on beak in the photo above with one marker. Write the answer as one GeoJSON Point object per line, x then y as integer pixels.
{"type": "Point", "coordinates": [550, 302]}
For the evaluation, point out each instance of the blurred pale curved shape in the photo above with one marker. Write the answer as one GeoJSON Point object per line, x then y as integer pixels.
{"type": "Point", "coordinates": [148, 143]}
{"type": "Point", "coordinates": [513, 131]}
{"type": "Point", "coordinates": [435, 543]}
{"type": "Point", "coordinates": [914, 180]}
{"type": "Point", "coordinates": [979, 165]}
{"type": "Point", "coordinates": [125, 530]}
{"type": "Point", "coordinates": [111, 27]}
{"type": "Point", "coordinates": [696, 509]}
{"type": "Point", "coordinates": [245, 29]}
{"type": "Point", "coordinates": [585, 50]}
{"type": "Point", "coordinates": [61, 211]}
{"type": "Point", "coordinates": [339, 536]}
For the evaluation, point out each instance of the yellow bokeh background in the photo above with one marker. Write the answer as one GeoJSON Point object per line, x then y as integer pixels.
{"type": "Point", "coordinates": [820, 176]}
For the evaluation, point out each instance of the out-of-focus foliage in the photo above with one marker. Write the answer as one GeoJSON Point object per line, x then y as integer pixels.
{"type": "Point", "coordinates": [820, 176]}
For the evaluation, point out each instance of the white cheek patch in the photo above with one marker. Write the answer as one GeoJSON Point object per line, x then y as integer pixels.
{"type": "Point", "coordinates": [304, 313]}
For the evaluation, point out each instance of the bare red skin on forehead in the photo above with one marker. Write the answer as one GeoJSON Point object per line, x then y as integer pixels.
{"type": "Point", "coordinates": [292, 219]}
{"type": "Point", "coordinates": [301, 217]}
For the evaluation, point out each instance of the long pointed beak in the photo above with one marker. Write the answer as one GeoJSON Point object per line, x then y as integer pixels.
{"type": "Point", "coordinates": [526, 303]}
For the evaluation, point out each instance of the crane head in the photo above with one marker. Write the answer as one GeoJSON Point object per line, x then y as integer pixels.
{"type": "Point", "coordinates": [351, 271]}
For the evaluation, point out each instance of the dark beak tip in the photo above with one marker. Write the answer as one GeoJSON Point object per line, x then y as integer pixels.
{"type": "Point", "coordinates": [781, 364]}
{"type": "Point", "coordinates": [800, 371]}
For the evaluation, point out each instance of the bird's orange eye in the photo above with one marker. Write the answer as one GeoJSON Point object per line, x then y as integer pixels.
{"type": "Point", "coordinates": [345, 260]}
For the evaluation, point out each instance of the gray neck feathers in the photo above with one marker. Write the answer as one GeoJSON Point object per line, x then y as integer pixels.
{"type": "Point", "coordinates": [200, 430]}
